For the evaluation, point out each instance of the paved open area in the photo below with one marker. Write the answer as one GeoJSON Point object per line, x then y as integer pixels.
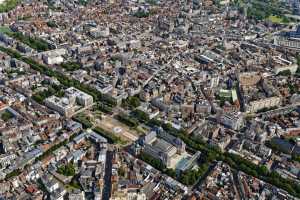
{"type": "Point", "coordinates": [119, 129]}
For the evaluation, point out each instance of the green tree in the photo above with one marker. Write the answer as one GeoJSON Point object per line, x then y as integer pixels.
{"type": "Point", "coordinates": [134, 101]}
{"type": "Point", "coordinates": [6, 115]}
{"type": "Point", "coordinates": [51, 24]}
{"type": "Point", "coordinates": [67, 170]}
{"type": "Point", "coordinates": [141, 116]}
{"type": "Point", "coordinates": [285, 73]}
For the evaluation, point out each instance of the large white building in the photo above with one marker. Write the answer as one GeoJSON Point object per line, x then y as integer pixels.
{"type": "Point", "coordinates": [234, 121]}
{"type": "Point", "coordinates": [81, 98]}
{"type": "Point", "coordinates": [63, 106]}
{"type": "Point", "coordinates": [54, 56]}
{"type": "Point", "coordinates": [270, 102]}
{"type": "Point", "coordinates": [66, 105]}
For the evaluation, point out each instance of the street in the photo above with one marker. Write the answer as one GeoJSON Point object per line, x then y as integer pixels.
{"type": "Point", "coordinates": [107, 177]}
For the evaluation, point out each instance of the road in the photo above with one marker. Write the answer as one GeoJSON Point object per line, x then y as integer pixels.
{"type": "Point", "coordinates": [241, 99]}
{"type": "Point", "coordinates": [107, 177]}
{"type": "Point", "coordinates": [238, 184]}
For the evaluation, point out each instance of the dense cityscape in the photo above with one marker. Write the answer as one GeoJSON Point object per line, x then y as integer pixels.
{"type": "Point", "coordinates": [149, 99]}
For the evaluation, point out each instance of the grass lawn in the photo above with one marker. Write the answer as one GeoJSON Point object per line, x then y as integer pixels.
{"type": "Point", "coordinates": [6, 115]}
{"type": "Point", "coordinates": [8, 5]}
{"type": "Point", "coordinates": [279, 19]}
{"type": "Point", "coordinates": [275, 19]}
{"type": "Point", "coordinates": [5, 29]}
